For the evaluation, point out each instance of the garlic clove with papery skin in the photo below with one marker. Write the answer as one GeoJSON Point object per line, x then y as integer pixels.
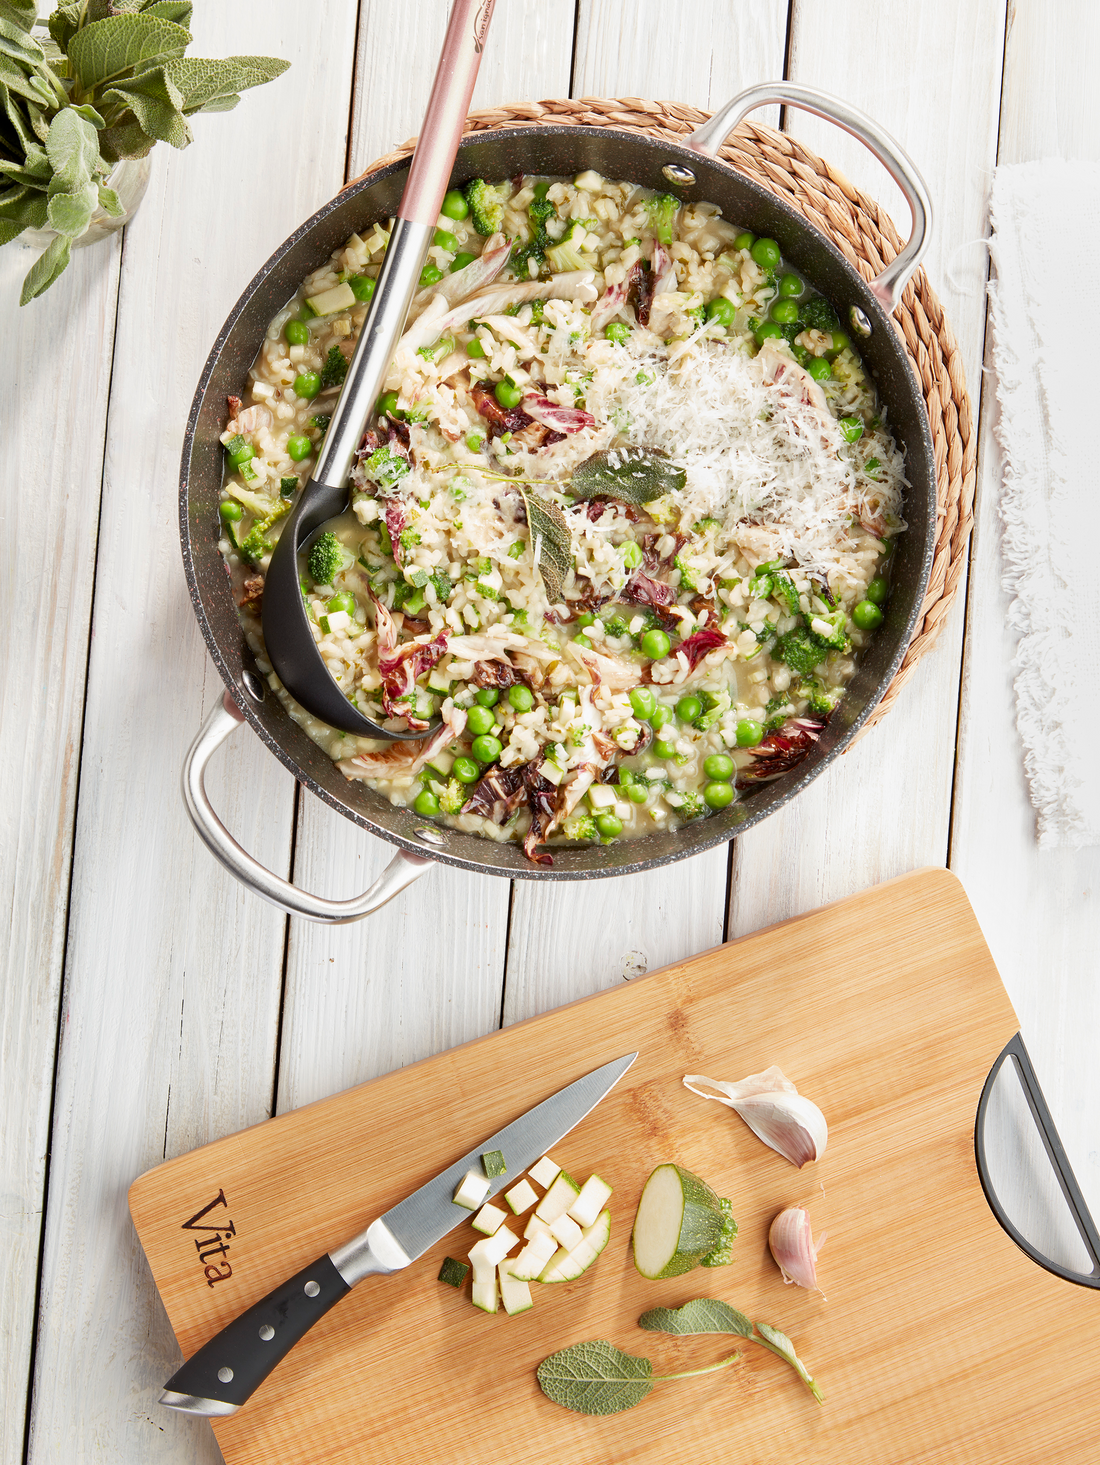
{"type": "Point", "coordinates": [792, 1245]}
{"type": "Point", "coordinates": [774, 1110]}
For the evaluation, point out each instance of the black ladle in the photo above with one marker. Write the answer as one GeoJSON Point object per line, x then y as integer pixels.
{"type": "Point", "coordinates": [287, 634]}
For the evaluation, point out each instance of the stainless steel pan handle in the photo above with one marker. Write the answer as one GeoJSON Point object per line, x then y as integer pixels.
{"type": "Point", "coordinates": [402, 870]}
{"type": "Point", "coordinates": [888, 285]}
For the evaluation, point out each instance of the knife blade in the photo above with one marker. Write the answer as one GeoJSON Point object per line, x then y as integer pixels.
{"type": "Point", "coordinates": [227, 1370]}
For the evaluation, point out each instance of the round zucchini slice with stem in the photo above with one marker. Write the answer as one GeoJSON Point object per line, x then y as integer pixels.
{"type": "Point", "coordinates": [680, 1223]}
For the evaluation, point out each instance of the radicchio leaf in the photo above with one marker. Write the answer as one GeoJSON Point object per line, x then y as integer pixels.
{"type": "Point", "coordinates": [635, 475]}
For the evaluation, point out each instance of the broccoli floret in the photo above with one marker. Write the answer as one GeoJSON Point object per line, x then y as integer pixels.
{"type": "Point", "coordinates": [774, 716]}
{"type": "Point", "coordinates": [662, 210]}
{"type": "Point", "coordinates": [327, 558]}
{"type": "Point", "coordinates": [581, 826]}
{"type": "Point", "coordinates": [818, 315]}
{"type": "Point", "coordinates": [691, 806]}
{"type": "Point", "coordinates": [444, 585]}
{"type": "Point", "coordinates": [335, 368]}
{"type": "Point", "coordinates": [801, 650]}
{"type": "Point", "coordinates": [256, 545]}
{"type": "Point", "coordinates": [321, 420]}
{"type": "Point", "coordinates": [688, 580]}
{"type": "Point", "coordinates": [616, 626]}
{"type": "Point", "coordinates": [541, 209]}
{"type": "Point", "coordinates": [565, 256]}
{"type": "Point", "coordinates": [715, 706]}
{"type": "Point", "coordinates": [822, 699]}
{"type": "Point", "coordinates": [453, 797]}
{"type": "Point", "coordinates": [722, 1254]}
{"type": "Point", "coordinates": [486, 202]}
{"type": "Point", "coordinates": [385, 467]}
{"type": "Point", "coordinates": [837, 639]}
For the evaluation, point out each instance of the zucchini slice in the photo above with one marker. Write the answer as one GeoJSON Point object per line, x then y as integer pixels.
{"type": "Point", "coordinates": [489, 1219]}
{"type": "Point", "coordinates": [564, 1265]}
{"type": "Point", "coordinates": [472, 1190]}
{"type": "Point", "coordinates": [521, 1197]}
{"type": "Point", "coordinates": [557, 1200]}
{"type": "Point", "coordinates": [514, 1292]}
{"type": "Point", "coordinates": [484, 1294]}
{"type": "Point", "coordinates": [545, 1172]}
{"type": "Point", "coordinates": [680, 1220]}
{"type": "Point", "coordinates": [533, 1258]}
{"type": "Point", "coordinates": [591, 1201]}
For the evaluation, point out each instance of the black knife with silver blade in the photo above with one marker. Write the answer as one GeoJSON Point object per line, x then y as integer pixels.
{"type": "Point", "coordinates": [227, 1370]}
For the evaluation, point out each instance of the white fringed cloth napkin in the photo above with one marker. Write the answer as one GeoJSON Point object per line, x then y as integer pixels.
{"type": "Point", "coordinates": [1046, 355]}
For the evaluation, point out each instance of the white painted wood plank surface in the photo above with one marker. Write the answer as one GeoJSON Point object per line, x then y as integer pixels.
{"type": "Point", "coordinates": [569, 940]}
{"type": "Point", "coordinates": [173, 974]}
{"type": "Point", "coordinates": [1040, 911]}
{"type": "Point", "coordinates": [884, 808]}
{"type": "Point", "coordinates": [52, 427]}
{"type": "Point", "coordinates": [426, 972]}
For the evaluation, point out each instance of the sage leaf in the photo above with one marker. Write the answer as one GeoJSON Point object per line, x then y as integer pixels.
{"type": "Point", "coordinates": [27, 208]}
{"type": "Point", "coordinates": [201, 82]}
{"type": "Point", "coordinates": [29, 177]}
{"type": "Point", "coordinates": [16, 41]}
{"type": "Point", "coordinates": [89, 113]}
{"type": "Point", "coordinates": [65, 22]}
{"type": "Point", "coordinates": [107, 50]}
{"type": "Point", "coordinates": [634, 475]}
{"type": "Point", "coordinates": [551, 542]}
{"type": "Point", "coordinates": [13, 111]}
{"type": "Point", "coordinates": [702, 1315]}
{"type": "Point", "coordinates": [595, 1378]}
{"type": "Point", "coordinates": [124, 139]}
{"type": "Point", "coordinates": [71, 213]}
{"type": "Point", "coordinates": [177, 10]}
{"type": "Point", "coordinates": [156, 103]}
{"type": "Point", "coordinates": [73, 149]}
{"type": "Point", "coordinates": [110, 202]}
{"type": "Point", "coordinates": [217, 104]}
{"type": "Point", "coordinates": [21, 13]}
{"type": "Point", "coordinates": [781, 1345]}
{"type": "Point", "coordinates": [9, 231]}
{"type": "Point", "coordinates": [31, 85]}
{"type": "Point", "coordinates": [45, 269]}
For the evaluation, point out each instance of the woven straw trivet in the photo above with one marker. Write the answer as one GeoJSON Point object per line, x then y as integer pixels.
{"type": "Point", "coordinates": [867, 238]}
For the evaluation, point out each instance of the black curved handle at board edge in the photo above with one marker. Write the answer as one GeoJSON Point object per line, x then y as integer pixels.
{"type": "Point", "coordinates": [1059, 1160]}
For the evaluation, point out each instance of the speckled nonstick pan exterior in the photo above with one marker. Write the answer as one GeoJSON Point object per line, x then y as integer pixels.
{"type": "Point", "coordinates": [504, 154]}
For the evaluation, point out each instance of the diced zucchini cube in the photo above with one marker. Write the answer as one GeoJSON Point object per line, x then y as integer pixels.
{"type": "Point", "coordinates": [328, 302]}
{"type": "Point", "coordinates": [591, 1201]}
{"type": "Point", "coordinates": [535, 1228]}
{"type": "Point", "coordinates": [558, 1199]}
{"type": "Point", "coordinates": [514, 1292]}
{"type": "Point", "coordinates": [493, 1163]}
{"type": "Point", "coordinates": [566, 1230]}
{"type": "Point", "coordinates": [521, 1197]}
{"type": "Point", "coordinates": [601, 796]}
{"type": "Point", "coordinates": [545, 1172]}
{"type": "Point", "coordinates": [472, 1190]}
{"type": "Point", "coordinates": [452, 1272]}
{"type": "Point", "coordinates": [489, 1219]}
{"type": "Point", "coordinates": [493, 1249]}
{"type": "Point", "coordinates": [440, 681]}
{"type": "Point", "coordinates": [534, 1257]}
{"type": "Point", "coordinates": [484, 1294]}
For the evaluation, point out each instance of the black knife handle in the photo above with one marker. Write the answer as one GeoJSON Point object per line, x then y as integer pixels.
{"type": "Point", "coordinates": [225, 1372]}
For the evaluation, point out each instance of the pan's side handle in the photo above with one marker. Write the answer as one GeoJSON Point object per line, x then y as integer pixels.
{"type": "Point", "coordinates": [402, 870]}
{"type": "Point", "coordinates": [1015, 1051]}
{"type": "Point", "coordinates": [888, 285]}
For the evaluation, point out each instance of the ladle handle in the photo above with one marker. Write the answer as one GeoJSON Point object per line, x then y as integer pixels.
{"type": "Point", "coordinates": [887, 285]}
{"type": "Point", "coordinates": [402, 870]}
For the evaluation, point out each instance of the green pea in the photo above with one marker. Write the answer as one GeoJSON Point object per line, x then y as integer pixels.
{"type": "Point", "coordinates": [618, 332]}
{"type": "Point", "coordinates": [583, 642]}
{"type": "Point", "coordinates": [297, 333]}
{"type": "Point", "coordinates": [298, 447]}
{"type": "Point", "coordinates": [785, 311]}
{"type": "Point", "coordinates": [867, 615]}
{"type": "Point", "coordinates": [609, 825]}
{"type": "Point", "coordinates": [722, 310]}
{"type": "Point", "coordinates": [307, 385]}
{"type": "Point", "coordinates": [586, 618]}
{"type": "Point", "coordinates": [664, 749]}
{"type": "Point", "coordinates": [768, 331]}
{"type": "Point", "coordinates": [466, 770]}
{"type": "Point", "coordinates": [819, 369]}
{"type": "Point", "coordinates": [542, 188]}
{"type": "Point", "coordinates": [637, 793]}
{"type": "Point", "coordinates": [766, 253]}
{"type": "Point", "coordinates": [851, 429]}
{"type": "Point", "coordinates": [718, 795]}
{"type": "Point", "coordinates": [662, 716]}
{"type": "Point", "coordinates": [744, 241]}
{"type": "Point", "coordinates": [474, 440]}
{"type": "Point", "coordinates": [475, 349]}
{"type": "Point", "coordinates": [656, 644]}
{"type": "Point", "coordinates": [461, 260]}
{"type": "Point", "coordinates": [230, 511]}
{"type": "Point", "coordinates": [426, 804]}
{"type": "Point", "coordinates": [689, 708]}
{"type": "Point", "coordinates": [442, 240]}
{"type": "Point", "coordinates": [508, 394]}
{"type": "Point", "coordinates": [632, 554]}
{"type": "Point", "coordinates": [386, 406]}
{"type": "Point", "coordinates": [643, 702]}
{"type": "Point", "coordinates": [878, 590]}
{"type": "Point", "coordinates": [791, 286]}
{"type": "Point", "coordinates": [454, 205]}
{"type": "Point", "coordinates": [488, 697]}
{"type": "Point", "coordinates": [362, 286]}
{"type": "Point", "coordinates": [429, 275]}
{"type": "Point", "coordinates": [487, 749]}
{"type": "Point", "coordinates": [522, 698]}
{"type": "Point", "coordinates": [838, 342]}
{"type": "Point", "coordinates": [343, 600]}
{"type": "Point", "coordinates": [480, 719]}
{"type": "Point", "coordinates": [244, 454]}
{"type": "Point", "coordinates": [718, 766]}
{"type": "Point", "coordinates": [749, 733]}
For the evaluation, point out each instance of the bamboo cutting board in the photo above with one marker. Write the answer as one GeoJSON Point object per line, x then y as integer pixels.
{"type": "Point", "coordinates": [939, 1342]}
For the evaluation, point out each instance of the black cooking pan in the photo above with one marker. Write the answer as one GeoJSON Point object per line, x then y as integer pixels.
{"type": "Point", "coordinates": [694, 173]}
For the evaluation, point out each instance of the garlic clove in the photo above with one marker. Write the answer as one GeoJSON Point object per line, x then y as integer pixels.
{"type": "Point", "coordinates": [774, 1110]}
{"type": "Point", "coordinates": [792, 1245]}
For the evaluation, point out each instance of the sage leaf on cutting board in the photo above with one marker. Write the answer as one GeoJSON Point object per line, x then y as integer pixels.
{"type": "Point", "coordinates": [710, 1315]}
{"type": "Point", "coordinates": [598, 1378]}
{"type": "Point", "coordinates": [634, 475]}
